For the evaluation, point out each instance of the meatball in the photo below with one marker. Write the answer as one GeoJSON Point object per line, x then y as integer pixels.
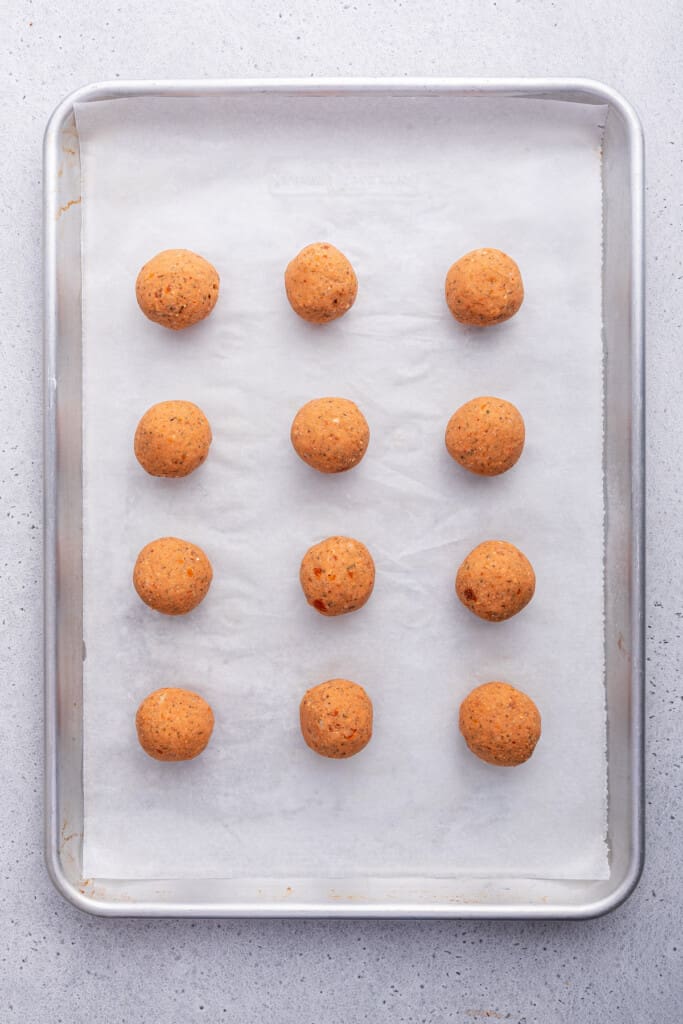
{"type": "Point", "coordinates": [177, 288]}
{"type": "Point", "coordinates": [174, 724]}
{"type": "Point", "coordinates": [330, 434]}
{"type": "Point", "coordinates": [337, 575]}
{"type": "Point", "coordinates": [500, 724]}
{"type": "Point", "coordinates": [320, 283]}
{"type": "Point", "coordinates": [172, 576]}
{"type": "Point", "coordinates": [486, 435]}
{"type": "Point", "coordinates": [172, 439]}
{"type": "Point", "coordinates": [336, 718]}
{"type": "Point", "coordinates": [484, 287]}
{"type": "Point", "coordinates": [495, 581]}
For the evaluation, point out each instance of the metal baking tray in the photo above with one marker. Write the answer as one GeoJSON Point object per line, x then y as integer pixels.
{"type": "Point", "coordinates": [622, 284]}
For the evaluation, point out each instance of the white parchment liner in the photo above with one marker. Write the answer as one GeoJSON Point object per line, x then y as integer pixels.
{"type": "Point", "coordinates": [403, 186]}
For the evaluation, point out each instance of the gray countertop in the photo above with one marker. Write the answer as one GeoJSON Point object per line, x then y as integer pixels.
{"type": "Point", "coordinates": [61, 965]}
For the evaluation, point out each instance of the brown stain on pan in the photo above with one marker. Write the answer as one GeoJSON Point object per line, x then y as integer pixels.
{"type": "Point", "coordinates": [67, 206]}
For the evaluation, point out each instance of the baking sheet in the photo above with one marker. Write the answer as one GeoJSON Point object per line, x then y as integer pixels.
{"type": "Point", "coordinates": [403, 186]}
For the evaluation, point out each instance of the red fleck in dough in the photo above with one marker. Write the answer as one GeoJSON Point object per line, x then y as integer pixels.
{"type": "Point", "coordinates": [174, 724]}
{"type": "Point", "coordinates": [486, 435]}
{"type": "Point", "coordinates": [484, 287]}
{"type": "Point", "coordinates": [330, 434]}
{"type": "Point", "coordinates": [172, 576]}
{"type": "Point", "coordinates": [320, 283]}
{"type": "Point", "coordinates": [177, 288]}
{"type": "Point", "coordinates": [172, 439]}
{"type": "Point", "coordinates": [500, 724]}
{"type": "Point", "coordinates": [495, 581]}
{"type": "Point", "coordinates": [336, 718]}
{"type": "Point", "coordinates": [337, 575]}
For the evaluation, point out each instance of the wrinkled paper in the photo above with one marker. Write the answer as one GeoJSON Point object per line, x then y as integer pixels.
{"type": "Point", "coordinates": [403, 186]}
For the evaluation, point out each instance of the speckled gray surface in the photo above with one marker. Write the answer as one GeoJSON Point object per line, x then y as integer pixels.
{"type": "Point", "coordinates": [60, 965]}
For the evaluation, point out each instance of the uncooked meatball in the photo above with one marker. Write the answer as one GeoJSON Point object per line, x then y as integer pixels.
{"type": "Point", "coordinates": [330, 434]}
{"type": "Point", "coordinates": [486, 435]}
{"type": "Point", "coordinates": [172, 439]}
{"type": "Point", "coordinates": [501, 725]}
{"type": "Point", "coordinates": [174, 724]}
{"type": "Point", "coordinates": [484, 287]}
{"type": "Point", "coordinates": [172, 576]}
{"type": "Point", "coordinates": [495, 581]}
{"type": "Point", "coordinates": [336, 718]}
{"type": "Point", "coordinates": [320, 283]}
{"type": "Point", "coordinates": [337, 575]}
{"type": "Point", "coordinates": [177, 288]}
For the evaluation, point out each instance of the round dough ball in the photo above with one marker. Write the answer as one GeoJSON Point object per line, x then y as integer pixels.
{"type": "Point", "coordinates": [172, 576]}
{"type": "Point", "coordinates": [320, 283]}
{"type": "Point", "coordinates": [177, 288]}
{"type": "Point", "coordinates": [495, 581]}
{"type": "Point", "coordinates": [174, 724]}
{"type": "Point", "coordinates": [501, 725]}
{"type": "Point", "coordinates": [336, 718]}
{"type": "Point", "coordinates": [486, 435]}
{"type": "Point", "coordinates": [337, 575]}
{"type": "Point", "coordinates": [484, 287]}
{"type": "Point", "coordinates": [330, 434]}
{"type": "Point", "coordinates": [172, 439]}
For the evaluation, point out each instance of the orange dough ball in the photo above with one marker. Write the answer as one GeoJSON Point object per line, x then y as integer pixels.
{"type": "Point", "coordinates": [486, 435]}
{"type": "Point", "coordinates": [177, 288]}
{"type": "Point", "coordinates": [336, 718]}
{"type": "Point", "coordinates": [500, 724]}
{"type": "Point", "coordinates": [330, 434]}
{"type": "Point", "coordinates": [172, 439]}
{"type": "Point", "coordinates": [172, 576]}
{"type": "Point", "coordinates": [320, 283]}
{"type": "Point", "coordinates": [495, 581]}
{"type": "Point", "coordinates": [484, 287]}
{"type": "Point", "coordinates": [174, 724]}
{"type": "Point", "coordinates": [337, 575]}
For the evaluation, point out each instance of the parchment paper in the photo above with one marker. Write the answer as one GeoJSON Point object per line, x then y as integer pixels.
{"type": "Point", "coordinates": [404, 187]}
